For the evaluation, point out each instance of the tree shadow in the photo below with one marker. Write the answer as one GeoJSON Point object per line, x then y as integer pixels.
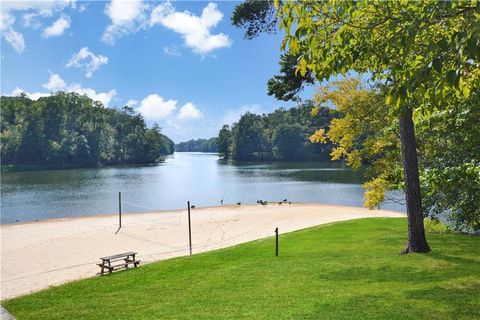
{"type": "Point", "coordinates": [452, 259]}
{"type": "Point", "coordinates": [460, 302]}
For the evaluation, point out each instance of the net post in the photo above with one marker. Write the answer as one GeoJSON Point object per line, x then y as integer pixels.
{"type": "Point", "coordinates": [276, 242]}
{"type": "Point", "coordinates": [189, 228]}
{"type": "Point", "coordinates": [119, 210]}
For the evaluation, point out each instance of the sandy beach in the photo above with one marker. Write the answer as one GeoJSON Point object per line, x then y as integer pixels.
{"type": "Point", "coordinates": [37, 255]}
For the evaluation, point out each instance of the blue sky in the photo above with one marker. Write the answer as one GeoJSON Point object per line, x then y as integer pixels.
{"type": "Point", "coordinates": [181, 64]}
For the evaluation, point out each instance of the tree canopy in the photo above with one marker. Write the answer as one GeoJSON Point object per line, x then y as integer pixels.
{"type": "Point", "coordinates": [281, 135]}
{"type": "Point", "coordinates": [426, 56]}
{"type": "Point", "coordinates": [425, 52]}
{"type": "Point", "coordinates": [366, 133]}
{"type": "Point", "coordinates": [71, 130]}
{"type": "Point", "coordinates": [426, 49]}
{"type": "Point", "coordinates": [199, 145]}
{"type": "Point", "coordinates": [255, 17]}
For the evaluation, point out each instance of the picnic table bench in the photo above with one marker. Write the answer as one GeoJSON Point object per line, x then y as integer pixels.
{"type": "Point", "coordinates": [117, 261]}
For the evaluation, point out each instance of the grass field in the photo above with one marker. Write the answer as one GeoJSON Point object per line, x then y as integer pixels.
{"type": "Point", "coordinates": [347, 270]}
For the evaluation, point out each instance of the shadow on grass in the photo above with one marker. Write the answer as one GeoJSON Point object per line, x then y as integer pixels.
{"type": "Point", "coordinates": [452, 259]}
{"type": "Point", "coordinates": [460, 302]}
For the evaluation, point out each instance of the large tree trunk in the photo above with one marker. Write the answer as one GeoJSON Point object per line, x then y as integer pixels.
{"type": "Point", "coordinates": [416, 231]}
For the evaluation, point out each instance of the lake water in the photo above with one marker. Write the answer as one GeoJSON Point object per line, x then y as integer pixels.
{"type": "Point", "coordinates": [199, 177]}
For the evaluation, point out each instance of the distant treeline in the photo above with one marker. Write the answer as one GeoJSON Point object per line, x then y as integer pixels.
{"type": "Point", "coordinates": [199, 145]}
{"type": "Point", "coordinates": [280, 135]}
{"type": "Point", "coordinates": [71, 130]}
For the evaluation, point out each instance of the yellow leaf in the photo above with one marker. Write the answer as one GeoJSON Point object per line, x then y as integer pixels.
{"type": "Point", "coordinates": [374, 192]}
{"type": "Point", "coordinates": [318, 137]}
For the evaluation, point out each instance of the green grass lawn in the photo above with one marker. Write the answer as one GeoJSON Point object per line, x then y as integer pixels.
{"type": "Point", "coordinates": [347, 270]}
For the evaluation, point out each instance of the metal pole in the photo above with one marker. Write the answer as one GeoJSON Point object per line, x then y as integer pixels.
{"type": "Point", "coordinates": [119, 210]}
{"type": "Point", "coordinates": [276, 242]}
{"type": "Point", "coordinates": [189, 228]}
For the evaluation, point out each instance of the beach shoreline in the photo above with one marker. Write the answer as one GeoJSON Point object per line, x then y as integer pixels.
{"type": "Point", "coordinates": [197, 209]}
{"type": "Point", "coordinates": [39, 254]}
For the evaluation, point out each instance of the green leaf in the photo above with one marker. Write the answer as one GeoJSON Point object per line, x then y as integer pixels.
{"type": "Point", "coordinates": [293, 45]}
{"type": "Point", "coordinates": [452, 77]}
{"type": "Point", "coordinates": [437, 64]}
{"type": "Point", "coordinates": [466, 91]}
{"type": "Point", "coordinates": [303, 67]}
{"type": "Point", "coordinates": [389, 98]}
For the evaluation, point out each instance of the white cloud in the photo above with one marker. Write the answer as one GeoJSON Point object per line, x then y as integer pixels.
{"type": "Point", "coordinates": [104, 97]}
{"type": "Point", "coordinates": [172, 50]}
{"type": "Point", "coordinates": [131, 103]}
{"type": "Point", "coordinates": [57, 28]}
{"type": "Point", "coordinates": [16, 92]}
{"type": "Point", "coordinates": [156, 108]}
{"type": "Point", "coordinates": [30, 20]}
{"type": "Point", "coordinates": [55, 83]}
{"type": "Point", "coordinates": [177, 124]}
{"type": "Point", "coordinates": [123, 11]}
{"type": "Point", "coordinates": [179, 130]}
{"type": "Point", "coordinates": [6, 20]}
{"type": "Point", "coordinates": [13, 37]}
{"type": "Point", "coordinates": [34, 11]}
{"type": "Point", "coordinates": [195, 30]}
{"type": "Point", "coordinates": [234, 115]}
{"type": "Point", "coordinates": [189, 111]}
{"type": "Point", "coordinates": [88, 60]}
{"type": "Point", "coordinates": [33, 96]}
{"type": "Point", "coordinates": [44, 8]}
{"type": "Point", "coordinates": [126, 16]}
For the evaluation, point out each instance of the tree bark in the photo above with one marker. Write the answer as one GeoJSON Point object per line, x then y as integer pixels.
{"type": "Point", "coordinates": [416, 231]}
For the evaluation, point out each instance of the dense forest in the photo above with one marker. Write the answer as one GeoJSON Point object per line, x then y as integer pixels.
{"type": "Point", "coordinates": [199, 145]}
{"type": "Point", "coordinates": [71, 130]}
{"type": "Point", "coordinates": [280, 135]}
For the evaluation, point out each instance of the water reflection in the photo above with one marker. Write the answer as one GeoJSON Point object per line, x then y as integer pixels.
{"type": "Point", "coordinates": [200, 178]}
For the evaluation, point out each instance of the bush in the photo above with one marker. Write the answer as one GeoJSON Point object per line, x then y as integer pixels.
{"type": "Point", "coordinates": [434, 225]}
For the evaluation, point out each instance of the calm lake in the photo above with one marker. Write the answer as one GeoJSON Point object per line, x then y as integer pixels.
{"type": "Point", "coordinates": [199, 177]}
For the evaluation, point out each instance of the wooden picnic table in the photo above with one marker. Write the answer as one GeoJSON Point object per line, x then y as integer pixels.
{"type": "Point", "coordinates": [117, 261]}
